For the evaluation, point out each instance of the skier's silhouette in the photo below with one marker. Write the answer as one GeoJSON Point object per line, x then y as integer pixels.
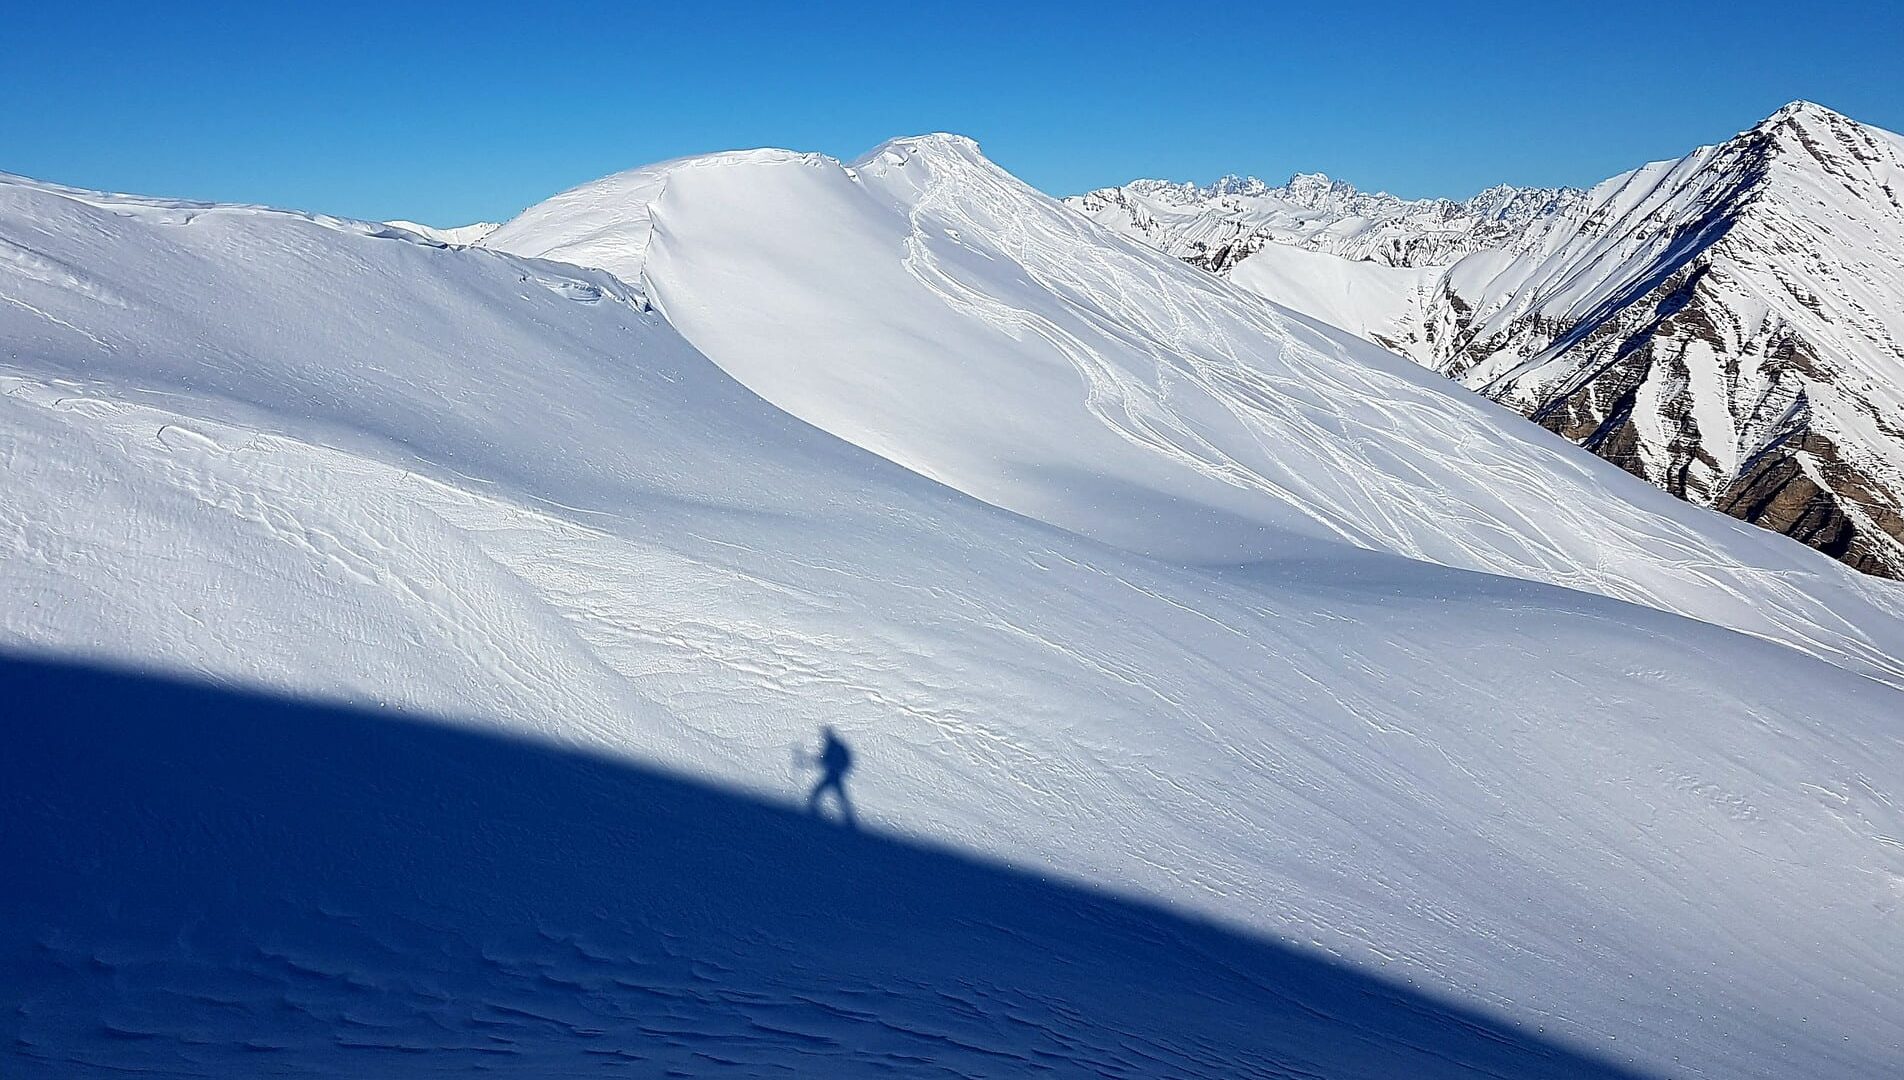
{"type": "Point", "coordinates": [834, 760]}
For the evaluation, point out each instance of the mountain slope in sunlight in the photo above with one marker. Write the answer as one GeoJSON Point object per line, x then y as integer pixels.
{"type": "Point", "coordinates": [1725, 325]}
{"type": "Point", "coordinates": [927, 306]}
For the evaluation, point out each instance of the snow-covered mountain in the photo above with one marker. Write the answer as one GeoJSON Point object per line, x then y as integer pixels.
{"type": "Point", "coordinates": [928, 306]}
{"type": "Point", "coordinates": [1191, 740]}
{"type": "Point", "coordinates": [1728, 325]}
{"type": "Point", "coordinates": [1219, 225]}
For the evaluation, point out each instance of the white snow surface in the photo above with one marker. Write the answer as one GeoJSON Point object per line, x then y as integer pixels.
{"type": "Point", "coordinates": [460, 235]}
{"type": "Point", "coordinates": [1369, 299]}
{"type": "Point", "coordinates": [1173, 599]}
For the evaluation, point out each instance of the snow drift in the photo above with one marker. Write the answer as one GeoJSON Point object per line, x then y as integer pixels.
{"type": "Point", "coordinates": [461, 235]}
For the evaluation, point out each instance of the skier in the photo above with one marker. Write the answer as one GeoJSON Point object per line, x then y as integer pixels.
{"type": "Point", "coordinates": [833, 761]}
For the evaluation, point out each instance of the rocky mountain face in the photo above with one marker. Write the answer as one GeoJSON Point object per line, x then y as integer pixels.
{"type": "Point", "coordinates": [1218, 225]}
{"type": "Point", "coordinates": [1728, 325]}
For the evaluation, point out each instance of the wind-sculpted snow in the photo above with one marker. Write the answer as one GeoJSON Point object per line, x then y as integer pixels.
{"type": "Point", "coordinates": [461, 235]}
{"type": "Point", "coordinates": [1446, 823]}
{"type": "Point", "coordinates": [927, 306]}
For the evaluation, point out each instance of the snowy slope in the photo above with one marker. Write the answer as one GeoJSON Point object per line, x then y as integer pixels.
{"type": "Point", "coordinates": [329, 461]}
{"type": "Point", "coordinates": [1219, 225]}
{"type": "Point", "coordinates": [1373, 301]}
{"type": "Point", "coordinates": [925, 305]}
{"type": "Point", "coordinates": [461, 235]}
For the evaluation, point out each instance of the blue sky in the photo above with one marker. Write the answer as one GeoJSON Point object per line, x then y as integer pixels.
{"type": "Point", "coordinates": [449, 113]}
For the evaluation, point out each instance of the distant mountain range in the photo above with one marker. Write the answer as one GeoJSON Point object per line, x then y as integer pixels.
{"type": "Point", "coordinates": [1221, 224]}
{"type": "Point", "coordinates": [1727, 325]}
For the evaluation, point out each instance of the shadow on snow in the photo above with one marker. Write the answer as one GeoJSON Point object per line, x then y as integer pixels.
{"type": "Point", "coordinates": [202, 881]}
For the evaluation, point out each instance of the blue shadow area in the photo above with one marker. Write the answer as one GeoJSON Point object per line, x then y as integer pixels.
{"type": "Point", "coordinates": [208, 882]}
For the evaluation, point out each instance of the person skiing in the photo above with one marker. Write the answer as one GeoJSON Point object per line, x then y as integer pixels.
{"type": "Point", "coordinates": [834, 760]}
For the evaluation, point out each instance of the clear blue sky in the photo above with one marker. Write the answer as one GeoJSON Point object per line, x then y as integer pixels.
{"type": "Point", "coordinates": [449, 113]}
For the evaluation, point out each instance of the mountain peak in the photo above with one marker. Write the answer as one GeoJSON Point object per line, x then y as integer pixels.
{"type": "Point", "coordinates": [1232, 184]}
{"type": "Point", "coordinates": [1313, 179]}
{"type": "Point", "coordinates": [1805, 116]}
{"type": "Point", "coordinates": [1809, 138]}
{"type": "Point", "coordinates": [1804, 110]}
{"type": "Point", "coordinates": [1310, 187]}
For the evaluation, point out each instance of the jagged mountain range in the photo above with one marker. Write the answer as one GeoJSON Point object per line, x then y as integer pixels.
{"type": "Point", "coordinates": [1726, 325]}
{"type": "Point", "coordinates": [1219, 225]}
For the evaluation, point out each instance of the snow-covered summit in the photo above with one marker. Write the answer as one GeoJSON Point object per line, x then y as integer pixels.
{"type": "Point", "coordinates": [1806, 112]}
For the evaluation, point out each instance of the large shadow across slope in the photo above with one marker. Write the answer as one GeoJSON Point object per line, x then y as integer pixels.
{"type": "Point", "coordinates": [199, 881]}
